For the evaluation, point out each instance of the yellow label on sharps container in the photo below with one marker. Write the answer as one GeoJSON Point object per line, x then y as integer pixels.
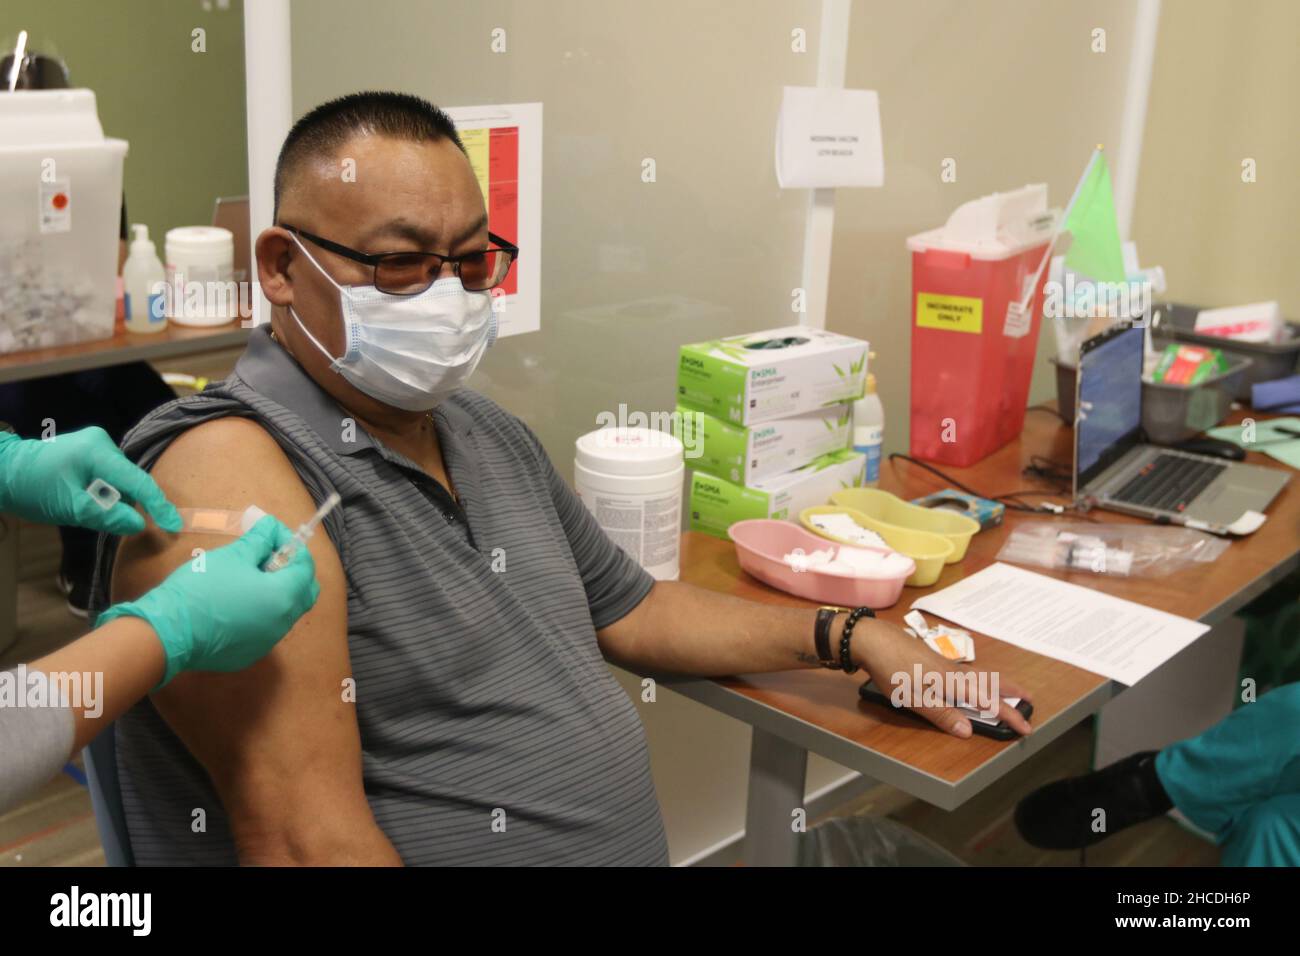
{"type": "Point", "coordinates": [956, 313]}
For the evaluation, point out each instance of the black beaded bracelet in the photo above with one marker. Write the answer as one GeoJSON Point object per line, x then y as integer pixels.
{"type": "Point", "coordinates": [846, 661]}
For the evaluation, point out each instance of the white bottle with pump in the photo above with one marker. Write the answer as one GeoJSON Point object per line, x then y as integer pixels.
{"type": "Point", "coordinates": [143, 279]}
{"type": "Point", "coordinates": [869, 431]}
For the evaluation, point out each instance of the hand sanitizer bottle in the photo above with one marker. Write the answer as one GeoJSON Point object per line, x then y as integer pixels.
{"type": "Point", "coordinates": [869, 431]}
{"type": "Point", "coordinates": [143, 279]}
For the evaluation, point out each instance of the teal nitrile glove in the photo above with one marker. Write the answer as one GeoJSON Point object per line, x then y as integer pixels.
{"type": "Point", "coordinates": [46, 481]}
{"type": "Point", "coordinates": [231, 613]}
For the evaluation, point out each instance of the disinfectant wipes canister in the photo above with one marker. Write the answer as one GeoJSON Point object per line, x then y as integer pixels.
{"type": "Point", "coordinates": [631, 480]}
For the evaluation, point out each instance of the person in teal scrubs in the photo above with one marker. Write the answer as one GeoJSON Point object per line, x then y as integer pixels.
{"type": "Point", "coordinates": [1240, 780]}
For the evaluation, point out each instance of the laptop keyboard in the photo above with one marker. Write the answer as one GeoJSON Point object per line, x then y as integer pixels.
{"type": "Point", "coordinates": [1169, 482]}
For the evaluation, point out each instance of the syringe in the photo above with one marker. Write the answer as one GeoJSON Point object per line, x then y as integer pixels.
{"type": "Point", "coordinates": [284, 554]}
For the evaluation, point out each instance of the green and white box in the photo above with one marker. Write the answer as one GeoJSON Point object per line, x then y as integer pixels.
{"type": "Point", "coordinates": [717, 504]}
{"type": "Point", "coordinates": [746, 453]}
{"type": "Point", "coordinates": [750, 379]}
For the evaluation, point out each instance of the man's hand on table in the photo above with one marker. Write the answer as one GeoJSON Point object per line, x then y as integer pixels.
{"type": "Point", "coordinates": [890, 655]}
{"type": "Point", "coordinates": [682, 628]}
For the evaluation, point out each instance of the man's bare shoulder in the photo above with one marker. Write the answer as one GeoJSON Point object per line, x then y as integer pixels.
{"type": "Point", "coordinates": [228, 463]}
{"type": "Point", "coordinates": [219, 450]}
{"type": "Point", "coordinates": [231, 463]}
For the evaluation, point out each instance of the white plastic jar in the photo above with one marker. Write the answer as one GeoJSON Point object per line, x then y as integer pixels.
{"type": "Point", "coordinates": [631, 480]}
{"type": "Point", "coordinates": [201, 287]}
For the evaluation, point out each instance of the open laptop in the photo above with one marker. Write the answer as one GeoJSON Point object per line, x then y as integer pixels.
{"type": "Point", "coordinates": [1114, 467]}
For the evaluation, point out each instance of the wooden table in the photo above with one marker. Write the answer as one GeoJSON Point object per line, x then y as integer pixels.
{"type": "Point", "coordinates": [121, 348]}
{"type": "Point", "coordinates": [793, 712]}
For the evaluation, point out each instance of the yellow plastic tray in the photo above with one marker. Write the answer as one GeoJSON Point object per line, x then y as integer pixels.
{"type": "Point", "coordinates": [929, 551]}
{"type": "Point", "coordinates": [889, 509]}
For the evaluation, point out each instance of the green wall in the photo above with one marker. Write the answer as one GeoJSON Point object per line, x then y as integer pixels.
{"type": "Point", "coordinates": [181, 111]}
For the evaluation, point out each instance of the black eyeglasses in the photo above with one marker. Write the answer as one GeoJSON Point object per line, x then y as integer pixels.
{"type": "Point", "coordinates": [410, 273]}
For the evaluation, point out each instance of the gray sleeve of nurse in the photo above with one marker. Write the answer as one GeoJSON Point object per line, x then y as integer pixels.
{"type": "Point", "coordinates": [34, 745]}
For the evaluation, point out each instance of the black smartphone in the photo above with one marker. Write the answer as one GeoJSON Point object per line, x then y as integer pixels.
{"type": "Point", "coordinates": [999, 731]}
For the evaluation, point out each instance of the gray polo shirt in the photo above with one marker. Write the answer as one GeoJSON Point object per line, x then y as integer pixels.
{"type": "Point", "coordinates": [481, 694]}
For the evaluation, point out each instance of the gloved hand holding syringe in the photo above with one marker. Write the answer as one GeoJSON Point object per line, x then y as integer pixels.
{"type": "Point", "coordinates": [300, 537]}
{"type": "Point", "coordinates": [219, 521]}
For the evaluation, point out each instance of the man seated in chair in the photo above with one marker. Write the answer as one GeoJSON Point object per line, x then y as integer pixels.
{"type": "Point", "coordinates": [447, 700]}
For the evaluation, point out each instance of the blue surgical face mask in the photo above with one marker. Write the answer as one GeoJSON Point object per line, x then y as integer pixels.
{"type": "Point", "coordinates": [409, 351]}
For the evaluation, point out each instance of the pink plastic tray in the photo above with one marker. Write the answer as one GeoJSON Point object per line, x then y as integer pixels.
{"type": "Point", "coordinates": [762, 543]}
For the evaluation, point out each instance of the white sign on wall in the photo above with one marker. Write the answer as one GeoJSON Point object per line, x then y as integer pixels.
{"type": "Point", "coordinates": [827, 138]}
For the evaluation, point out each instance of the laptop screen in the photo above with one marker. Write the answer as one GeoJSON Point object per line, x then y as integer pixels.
{"type": "Point", "coordinates": [1109, 409]}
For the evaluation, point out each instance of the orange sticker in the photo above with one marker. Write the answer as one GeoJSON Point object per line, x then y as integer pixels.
{"type": "Point", "coordinates": [944, 645]}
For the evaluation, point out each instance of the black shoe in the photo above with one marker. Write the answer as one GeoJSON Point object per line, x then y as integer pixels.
{"type": "Point", "coordinates": [1064, 815]}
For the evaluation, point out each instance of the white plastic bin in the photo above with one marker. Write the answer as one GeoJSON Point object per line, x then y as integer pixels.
{"type": "Point", "coordinates": [61, 192]}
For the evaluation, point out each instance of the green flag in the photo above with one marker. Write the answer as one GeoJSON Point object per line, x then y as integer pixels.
{"type": "Point", "coordinates": [1095, 250]}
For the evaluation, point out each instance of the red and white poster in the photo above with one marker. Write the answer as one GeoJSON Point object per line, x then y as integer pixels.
{"type": "Point", "coordinates": [504, 144]}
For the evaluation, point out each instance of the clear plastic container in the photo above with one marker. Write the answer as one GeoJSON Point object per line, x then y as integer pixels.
{"type": "Point", "coordinates": [1269, 360]}
{"type": "Point", "coordinates": [1170, 413]}
{"type": "Point", "coordinates": [870, 841]}
{"type": "Point", "coordinates": [1175, 413]}
{"type": "Point", "coordinates": [61, 189]}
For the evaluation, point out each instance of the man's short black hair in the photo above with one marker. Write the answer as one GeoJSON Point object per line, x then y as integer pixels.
{"type": "Point", "coordinates": [326, 128]}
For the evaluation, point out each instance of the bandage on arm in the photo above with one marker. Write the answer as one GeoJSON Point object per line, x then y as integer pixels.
{"type": "Point", "coordinates": [219, 520]}
{"type": "Point", "coordinates": [278, 739]}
